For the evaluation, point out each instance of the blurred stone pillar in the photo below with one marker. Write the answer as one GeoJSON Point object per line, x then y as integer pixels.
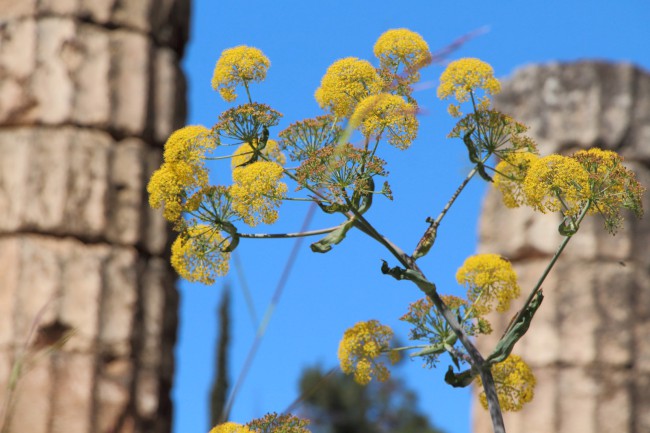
{"type": "Point", "coordinates": [589, 344]}
{"type": "Point", "coordinates": [90, 91]}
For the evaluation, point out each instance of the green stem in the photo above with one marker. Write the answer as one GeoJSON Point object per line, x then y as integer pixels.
{"type": "Point", "coordinates": [550, 265]}
{"type": "Point", "coordinates": [286, 235]}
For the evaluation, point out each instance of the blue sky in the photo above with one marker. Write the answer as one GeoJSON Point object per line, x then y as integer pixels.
{"type": "Point", "coordinates": [328, 293]}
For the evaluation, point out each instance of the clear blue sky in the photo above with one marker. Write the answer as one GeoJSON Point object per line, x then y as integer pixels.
{"type": "Point", "coordinates": [328, 293]}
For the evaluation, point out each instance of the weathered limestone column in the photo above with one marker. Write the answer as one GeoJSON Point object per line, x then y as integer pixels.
{"type": "Point", "coordinates": [90, 91]}
{"type": "Point", "coordinates": [589, 344]}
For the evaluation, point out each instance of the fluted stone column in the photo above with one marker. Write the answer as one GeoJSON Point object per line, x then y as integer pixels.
{"type": "Point", "coordinates": [589, 344]}
{"type": "Point", "coordinates": [90, 91]}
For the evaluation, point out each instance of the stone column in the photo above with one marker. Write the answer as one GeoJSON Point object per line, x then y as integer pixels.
{"type": "Point", "coordinates": [589, 344]}
{"type": "Point", "coordinates": [90, 91]}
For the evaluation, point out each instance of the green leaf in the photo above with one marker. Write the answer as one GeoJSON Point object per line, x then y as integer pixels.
{"type": "Point", "coordinates": [517, 330]}
{"type": "Point", "coordinates": [471, 147]}
{"type": "Point", "coordinates": [332, 238]}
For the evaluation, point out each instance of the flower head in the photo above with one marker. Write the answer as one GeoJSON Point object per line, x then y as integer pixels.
{"type": "Point", "coordinates": [189, 144]}
{"type": "Point", "coordinates": [176, 186]}
{"type": "Point", "coordinates": [397, 47]}
{"type": "Point", "coordinates": [557, 182]}
{"type": "Point", "coordinates": [246, 152]}
{"type": "Point", "coordinates": [231, 427]}
{"type": "Point", "coordinates": [257, 192]}
{"type": "Point", "coordinates": [274, 423]}
{"type": "Point", "coordinates": [462, 78]}
{"type": "Point", "coordinates": [613, 187]}
{"type": "Point", "coordinates": [198, 254]}
{"type": "Point", "coordinates": [490, 280]}
{"type": "Point", "coordinates": [510, 176]}
{"type": "Point", "coordinates": [246, 122]}
{"type": "Point", "coordinates": [341, 171]}
{"type": "Point", "coordinates": [346, 82]}
{"type": "Point", "coordinates": [301, 139]}
{"type": "Point", "coordinates": [387, 114]}
{"type": "Point", "coordinates": [360, 349]}
{"type": "Point", "coordinates": [514, 382]}
{"type": "Point", "coordinates": [238, 65]}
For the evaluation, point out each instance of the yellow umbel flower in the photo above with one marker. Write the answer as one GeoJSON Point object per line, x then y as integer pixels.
{"type": "Point", "coordinates": [514, 382]}
{"type": "Point", "coordinates": [189, 144]}
{"type": "Point", "coordinates": [510, 175]}
{"type": "Point", "coordinates": [238, 65]}
{"type": "Point", "coordinates": [231, 427]}
{"type": "Point", "coordinates": [257, 192]}
{"type": "Point", "coordinates": [613, 186]}
{"type": "Point", "coordinates": [360, 349]}
{"type": "Point", "coordinates": [557, 182]}
{"type": "Point", "coordinates": [346, 82]}
{"type": "Point", "coordinates": [389, 114]}
{"type": "Point", "coordinates": [462, 78]}
{"type": "Point", "coordinates": [176, 185]}
{"type": "Point", "coordinates": [246, 151]}
{"type": "Point", "coordinates": [274, 423]}
{"type": "Point", "coordinates": [402, 46]}
{"type": "Point", "coordinates": [490, 280]}
{"type": "Point", "coordinates": [197, 255]}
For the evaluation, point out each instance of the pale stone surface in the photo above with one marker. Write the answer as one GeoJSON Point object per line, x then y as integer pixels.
{"type": "Point", "coordinates": [127, 195]}
{"type": "Point", "coordinates": [73, 402]}
{"type": "Point", "coordinates": [64, 190]}
{"type": "Point", "coordinates": [90, 91]}
{"type": "Point", "coordinates": [31, 412]}
{"type": "Point", "coordinates": [583, 104]}
{"type": "Point", "coordinates": [589, 343]}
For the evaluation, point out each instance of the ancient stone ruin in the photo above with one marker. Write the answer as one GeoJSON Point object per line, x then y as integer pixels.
{"type": "Point", "coordinates": [589, 344]}
{"type": "Point", "coordinates": [90, 91]}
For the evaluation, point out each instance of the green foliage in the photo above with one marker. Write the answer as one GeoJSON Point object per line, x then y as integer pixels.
{"type": "Point", "coordinates": [337, 404]}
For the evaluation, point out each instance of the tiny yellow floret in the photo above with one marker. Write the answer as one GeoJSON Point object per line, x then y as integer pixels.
{"type": "Point", "coordinates": [198, 254]}
{"type": "Point", "coordinates": [231, 427]}
{"type": "Point", "coordinates": [257, 192]}
{"type": "Point", "coordinates": [463, 77]}
{"type": "Point", "coordinates": [402, 46]}
{"type": "Point", "coordinates": [238, 65]}
{"type": "Point", "coordinates": [246, 152]}
{"type": "Point", "coordinates": [387, 114]}
{"type": "Point", "coordinates": [346, 82]}
{"type": "Point", "coordinates": [514, 382]}
{"type": "Point", "coordinates": [557, 183]}
{"type": "Point", "coordinates": [491, 283]}
{"type": "Point", "coordinates": [360, 349]}
{"type": "Point", "coordinates": [510, 175]}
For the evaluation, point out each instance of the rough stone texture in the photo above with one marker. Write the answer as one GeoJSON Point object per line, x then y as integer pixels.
{"type": "Point", "coordinates": [589, 344]}
{"type": "Point", "coordinates": [90, 91]}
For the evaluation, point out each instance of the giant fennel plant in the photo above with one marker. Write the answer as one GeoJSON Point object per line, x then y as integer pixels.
{"type": "Point", "coordinates": [343, 178]}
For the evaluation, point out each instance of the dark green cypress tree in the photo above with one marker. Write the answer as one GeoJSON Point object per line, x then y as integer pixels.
{"type": "Point", "coordinates": [219, 389]}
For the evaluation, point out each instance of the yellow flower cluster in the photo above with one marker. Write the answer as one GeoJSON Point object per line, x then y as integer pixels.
{"type": "Point", "coordinates": [345, 83]}
{"type": "Point", "coordinates": [388, 113]}
{"type": "Point", "coordinates": [231, 427]}
{"type": "Point", "coordinates": [557, 182]}
{"type": "Point", "coordinates": [176, 185]}
{"type": "Point", "coordinates": [613, 186]}
{"type": "Point", "coordinates": [197, 255]}
{"type": "Point", "coordinates": [510, 176]}
{"type": "Point", "coordinates": [238, 65]}
{"type": "Point", "coordinates": [490, 280]}
{"type": "Point", "coordinates": [462, 78]}
{"type": "Point", "coordinates": [514, 382]}
{"type": "Point", "coordinates": [360, 349]}
{"type": "Point", "coordinates": [402, 46]}
{"type": "Point", "coordinates": [246, 151]}
{"type": "Point", "coordinates": [257, 192]}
